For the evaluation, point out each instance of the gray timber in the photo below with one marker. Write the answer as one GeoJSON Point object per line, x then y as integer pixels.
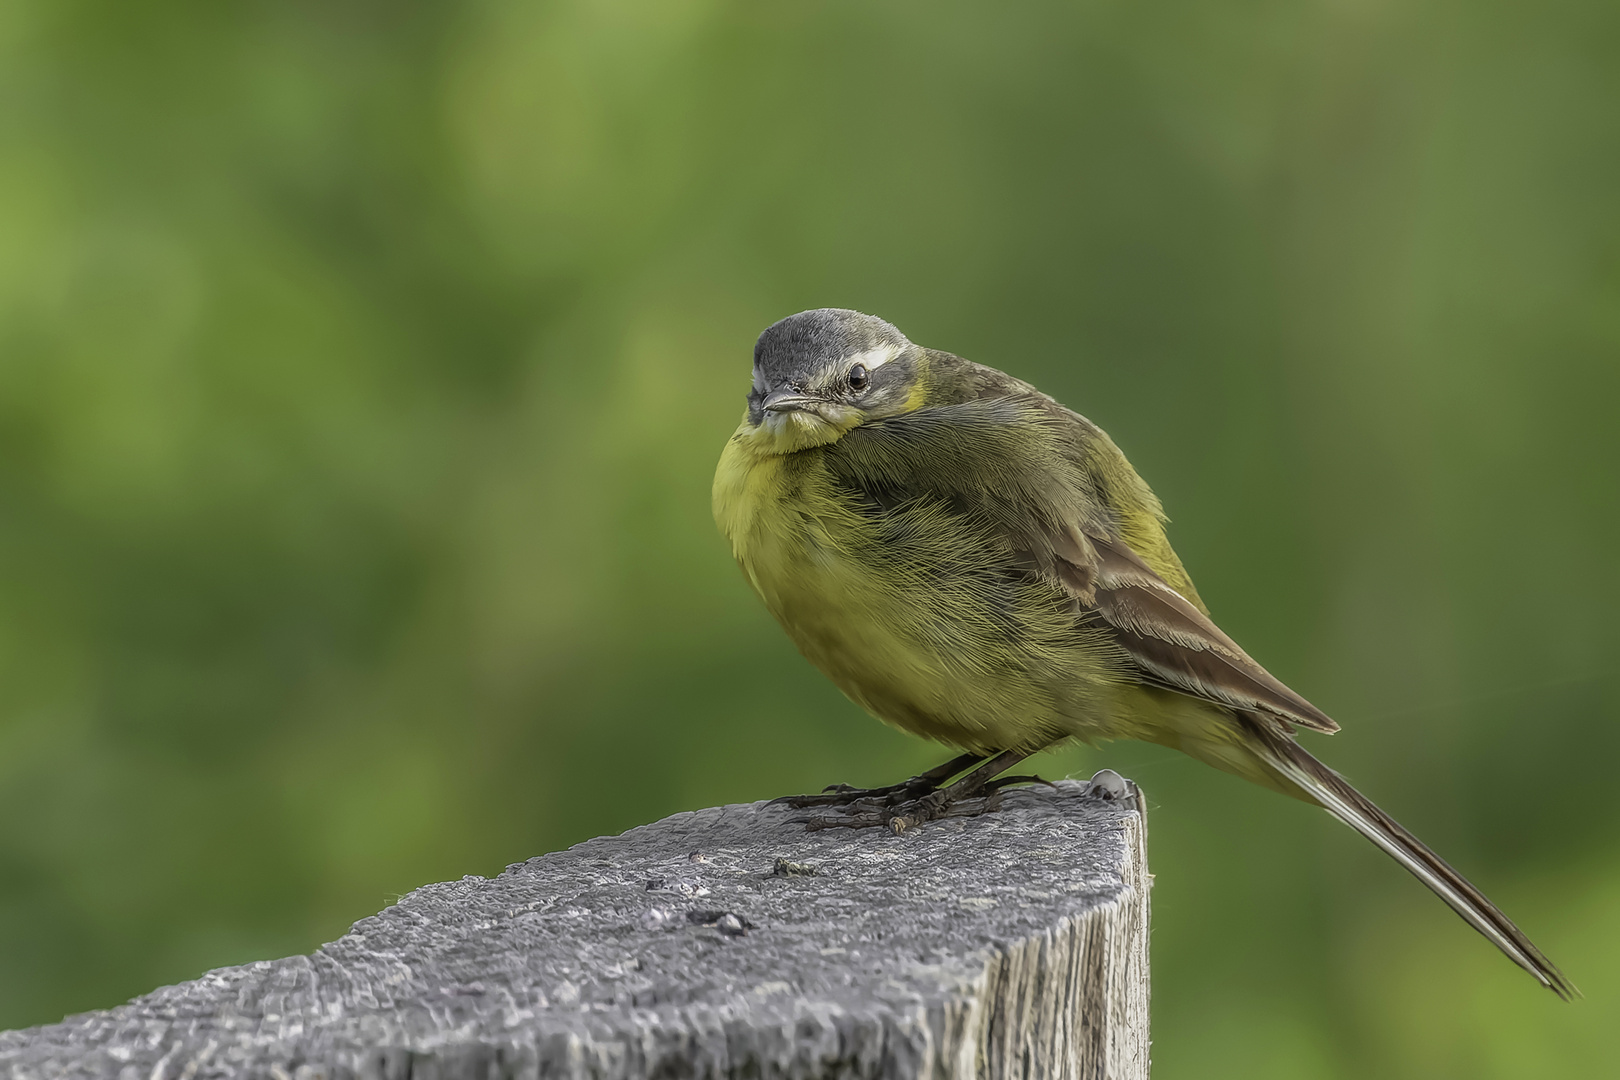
{"type": "Point", "coordinates": [1013, 944]}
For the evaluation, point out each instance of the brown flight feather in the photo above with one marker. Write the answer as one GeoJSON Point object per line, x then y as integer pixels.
{"type": "Point", "coordinates": [1175, 643]}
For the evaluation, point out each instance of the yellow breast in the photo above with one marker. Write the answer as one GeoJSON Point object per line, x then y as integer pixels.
{"type": "Point", "coordinates": [895, 631]}
{"type": "Point", "coordinates": [746, 484]}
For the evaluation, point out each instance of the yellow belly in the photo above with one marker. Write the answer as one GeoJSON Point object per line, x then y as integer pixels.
{"type": "Point", "coordinates": [908, 615]}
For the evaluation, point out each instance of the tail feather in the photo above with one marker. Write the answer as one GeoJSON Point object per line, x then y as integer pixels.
{"type": "Point", "coordinates": [1328, 789]}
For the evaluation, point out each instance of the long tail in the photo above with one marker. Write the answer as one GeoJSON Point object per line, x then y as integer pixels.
{"type": "Point", "coordinates": [1328, 789]}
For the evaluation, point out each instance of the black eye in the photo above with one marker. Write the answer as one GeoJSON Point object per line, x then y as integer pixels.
{"type": "Point", "coordinates": [858, 377]}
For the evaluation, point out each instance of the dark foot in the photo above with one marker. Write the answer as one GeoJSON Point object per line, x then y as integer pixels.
{"type": "Point", "coordinates": [893, 795]}
{"type": "Point", "coordinates": [905, 806]}
{"type": "Point", "coordinates": [898, 817]}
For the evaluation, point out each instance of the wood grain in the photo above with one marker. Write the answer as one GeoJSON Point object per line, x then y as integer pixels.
{"type": "Point", "coordinates": [1013, 944]}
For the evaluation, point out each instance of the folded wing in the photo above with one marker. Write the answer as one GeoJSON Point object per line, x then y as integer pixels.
{"type": "Point", "coordinates": [1174, 644]}
{"type": "Point", "coordinates": [1067, 504]}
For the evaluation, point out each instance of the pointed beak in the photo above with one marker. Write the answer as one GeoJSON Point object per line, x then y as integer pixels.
{"type": "Point", "coordinates": [781, 401]}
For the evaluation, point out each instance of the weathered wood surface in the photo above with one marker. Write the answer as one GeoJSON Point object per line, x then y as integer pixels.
{"type": "Point", "coordinates": [1011, 944]}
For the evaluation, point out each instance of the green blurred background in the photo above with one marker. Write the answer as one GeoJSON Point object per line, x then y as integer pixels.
{"type": "Point", "coordinates": [363, 367]}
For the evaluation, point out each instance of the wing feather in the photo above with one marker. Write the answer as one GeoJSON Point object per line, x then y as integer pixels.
{"type": "Point", "coordinates": [1179, 645]}
{"type": "Point", "coordinates": [1068, 507]}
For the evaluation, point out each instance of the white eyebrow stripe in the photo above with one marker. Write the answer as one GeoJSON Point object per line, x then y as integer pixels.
{"type": "Point", "coordinates": [873, 358]}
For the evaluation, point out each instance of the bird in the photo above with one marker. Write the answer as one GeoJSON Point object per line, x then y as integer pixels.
{"type": "Point", "coordinates": [974, 563]}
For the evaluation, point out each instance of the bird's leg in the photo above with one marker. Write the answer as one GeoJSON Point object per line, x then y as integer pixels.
{"type": "Point", "coordinates": [975, 793]}
{"type": "Point", "coordinates": [905, 791]}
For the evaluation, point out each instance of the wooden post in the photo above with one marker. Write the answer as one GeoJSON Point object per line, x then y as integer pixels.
{"type": "Point", "coordinates": [727, 942]}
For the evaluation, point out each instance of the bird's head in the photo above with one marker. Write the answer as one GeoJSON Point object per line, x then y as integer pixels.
{"type": "Point", "coordinates": [820, 373]}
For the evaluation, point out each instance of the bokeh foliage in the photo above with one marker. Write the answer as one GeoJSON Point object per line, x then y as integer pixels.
{"type": "Point", "coordinates": [363, 366]}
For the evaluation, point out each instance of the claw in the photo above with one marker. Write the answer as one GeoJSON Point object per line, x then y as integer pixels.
{"type": "Point", "coordinates": [913, 802]}
{"type": "Point", "coordinates": [843, 795]}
